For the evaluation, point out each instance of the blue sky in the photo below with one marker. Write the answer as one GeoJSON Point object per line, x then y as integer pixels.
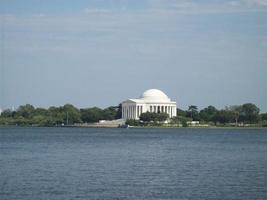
{"type": "Point", "coordinates": [98, 53]}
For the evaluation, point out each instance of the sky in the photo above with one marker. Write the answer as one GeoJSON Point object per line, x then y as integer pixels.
{"type": "Point", "coordinates": [101, 52]}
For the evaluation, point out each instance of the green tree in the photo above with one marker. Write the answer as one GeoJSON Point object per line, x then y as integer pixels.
{"type": "Point", "coordinates": [263, 116]}
{"type": "Point", "coordinates": [71, 114]}
{"type": "Point", "coordinates": [161, 117]}
{"type": "Point", "coordinates": [6, 121]}
{"type": "Point", "coordinates": [6, 113]}
{"type": "Point", "coordinates": [56, 115]}
{"type": "Point", "coordinates": [41, 111]}
{"type": "Point", "coordinates": [119, 111]}
{"type": "Point", "coordinates": [39, 120]}
{"type": "Point", "coordinates": [25, 111]}
{"type": "Point", "coordinates": [180, 112]}
{"type": "Point", "coordinates": [153, 117]}
{"type": "Point", "coordinates": [249, 113]}
{"type": "Point", "coordinates": [180, 120]}
{"type": "Point", "coordinates": [147, 117]}
{"type": "Point", "coordinates": [132, 122]}
{"type": "Point", "coordinates": [224, 116]}
{"type": "Point", "coordinates": [110, 113]}
{"type": "Point", "coordinates": [92, 114]}
{"type": "Point", "coordinates": [208, 114]}
{"type": "Point", "coordinates": [193, 113]}
{"type": "Point", "coordinates": [21, 121]}
{"type": "Point", "coordinates": [235, 112]}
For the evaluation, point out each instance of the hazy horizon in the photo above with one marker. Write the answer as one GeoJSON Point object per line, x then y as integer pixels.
{"type": "Point", "coordinates": [99, 53]}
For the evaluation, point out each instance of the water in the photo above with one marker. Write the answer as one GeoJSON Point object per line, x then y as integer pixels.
{"type": "Point", "coordinates": [73, 163]}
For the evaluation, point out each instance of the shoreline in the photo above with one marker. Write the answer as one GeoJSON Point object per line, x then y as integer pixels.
{"type": "Point", "coordinates": [141, 127]}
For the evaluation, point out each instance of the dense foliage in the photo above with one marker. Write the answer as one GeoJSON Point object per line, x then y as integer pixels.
{"type": "Point", "coordinates": [64, 115]}
{"type": "Point", "coordinates": [68, 114]}
{"type": "Point", "coordinates": [232, 115]}
{"type": "Point", "coordinates": [153, 117]}
{"type": "Point", "coordinates": [149, 118]}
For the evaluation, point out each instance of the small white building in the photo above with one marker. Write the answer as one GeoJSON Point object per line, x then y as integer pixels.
{"type": "Point", "coordinates": [152, 100]}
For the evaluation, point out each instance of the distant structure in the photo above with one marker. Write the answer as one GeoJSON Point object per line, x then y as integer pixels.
{"type": "Point", "coordinates": [152, 100]}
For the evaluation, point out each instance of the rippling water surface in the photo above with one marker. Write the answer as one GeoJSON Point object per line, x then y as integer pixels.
{"type": "Point", "coordinates": [73, 163]}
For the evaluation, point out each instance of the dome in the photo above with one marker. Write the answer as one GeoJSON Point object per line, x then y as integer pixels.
{"type": "Point", "coordinates": [155, 95]}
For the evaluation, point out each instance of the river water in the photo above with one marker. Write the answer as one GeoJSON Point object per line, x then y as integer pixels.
{"type": "Point", "coordinates": [84, 163]}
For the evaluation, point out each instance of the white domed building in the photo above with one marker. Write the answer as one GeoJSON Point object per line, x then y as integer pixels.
{"type": "Point", "coordinates": [152, 100]}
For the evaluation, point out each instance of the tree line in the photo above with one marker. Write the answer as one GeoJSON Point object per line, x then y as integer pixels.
{"type": "Point", "coordinates": [56, 116]}
{"type": "Point", "coordinates": [28, 115]}
{"type": "Point", "coordinates": [237, 115]}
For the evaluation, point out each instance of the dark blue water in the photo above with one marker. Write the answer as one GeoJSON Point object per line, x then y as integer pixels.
{"type": "Point", "coordinates": [72, 163]}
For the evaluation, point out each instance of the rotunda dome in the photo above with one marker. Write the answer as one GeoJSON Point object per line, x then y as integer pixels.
{"type": "Point", "coordinates": [155, 95]}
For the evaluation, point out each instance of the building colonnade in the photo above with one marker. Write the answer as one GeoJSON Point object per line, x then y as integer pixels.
{"type": "Point", "coordinates": [134, 111]}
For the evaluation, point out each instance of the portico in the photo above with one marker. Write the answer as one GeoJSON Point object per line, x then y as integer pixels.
{"type": "Point", "coordinates": [152, 100]}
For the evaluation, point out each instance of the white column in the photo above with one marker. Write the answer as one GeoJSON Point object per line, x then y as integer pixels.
{"type": "Point", "coordinates": [130, 112]}
{"type": "Point", "coordinates": [126, 112]}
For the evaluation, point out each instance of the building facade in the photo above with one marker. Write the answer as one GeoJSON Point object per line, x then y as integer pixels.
{"type": "Point", "coordinates": [152, 100]}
